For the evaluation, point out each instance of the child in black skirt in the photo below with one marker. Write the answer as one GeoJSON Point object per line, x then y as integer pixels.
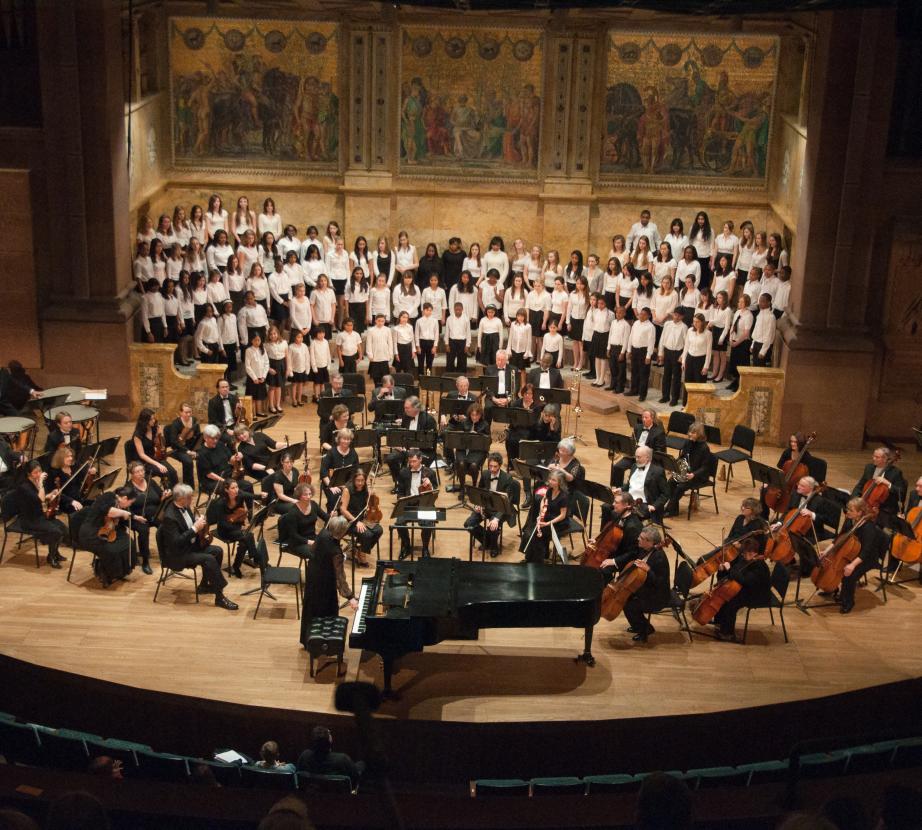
{"type": "Point", "coordinates": [404, 340]}
{"type": "Point", "coordinates": [489, 333]}
{"type": "Point", "coordinates": [256, 363]}
{"type": "Point", "coordinates": [320, 360]}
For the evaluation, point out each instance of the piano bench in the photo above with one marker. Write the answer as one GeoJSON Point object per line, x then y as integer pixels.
{"type": "Point", "coordinates": [327, 638]}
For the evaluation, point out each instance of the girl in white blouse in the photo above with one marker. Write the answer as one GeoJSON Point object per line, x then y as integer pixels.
{"type": "Point", "coordinates": [235, 281]}
{"type": "Point", "coordinates": [215, 217]}
{"type": "Point", "coordinates": [379, 300]}
{"type": "Point", "coordinates": [489, 336]}
{"type": "Point", "coordinates": [701, 238]}
{"type": "Point", "coordinates": [618, 250]}
{"type": "Point", "coordinates": [157, 260]}
{"type": "Point", "coordinates": [359, 257]}
{"type": "Point", "coordinates": [142, 269]}
{"type": "Point", "coordinates": [186, 304]}
{"type": "Point", "coordinates": [277, 352]}
{"type": "Point", "coordinates": [720, 331]}
{"type": "Point", "coordinates": [197, 225]}
{"type": "Point", "coordinates": [472, 263]}
{"type": "Point", "coordinates": [294, 271]}
{"type": "Point", "coordinates": [208, 338]}
{"type": "Point", "coordinates": [464, 292]}
{"type": "Point", "coordinates": [279, 294]}
{"type": "Point", "coordinates": [577, 308]}
{"type": "Point", "coordinates": [320, 360]}
{"type": "Point", "coordinates": [760, 251]}
{"type": "Point", "coordinates": [552, 344]}
{"type": "Point", "coordinates": [724, 278]}
{"type": "Point", "coordinates": [689, 264]}
{"type": "Point", "coordinates": [664, 302]}
{"type": "Point", "coordinates": [256, 366]}
{"type": "Point", "coordinates": [538, 304]}
{"type": "Point", "coordinates": [534, 270]}
{"type": "Point", "coordinates": [520, 341]}
{"type": "Point", "coordinates": [574, 268]}
{"type": "Point", "coordinates": [627, 288]}
{"type": "Point", "coordinates": [696, 356]}
{"type": "Point", "coordinates": [259, 285]}
{"type": "Point", "coordinates": [248, 252]}
{"type": "Point", "coordinates": [357, 297]}
{"type": "Point", "coordinates": [519, 257]}
{"type": "Point", "coordinates": [726, 242]}
{"type": "Point", "coordinates": [609, 286]}
{"type": "Point", "coordinates": [434, 294]}
{"type": "Point", "coordinates": [298, 365]}
{"type": "Point", "coordinates": [323, 304]}
{"type": "Point", "coordinates": [642, 258]}
{"type": "Point", "coordinates": [406, 297]}
{"type": "Point", "coordinates": [664, 264]}
{"type": "Point", "coordinates": [269, 221]}
{"type": "Point", "coordinates": [216, 292]}
{"type": "Point", "coordinates": [311, 240]}
{"type": "Point", "coordinates": [174, 322]}
{"type": "Point", "coordinates": [560, 299]}
{"type": "Point", "coordinates": [217, 253]}
{"type": "Point", "coordinates": [146, 229]}
{"type": "Point", "coordinates": [676, 238]}
{"type": "Point", "coordinates": [300, 315]}
{"type": "Point", "coordinates": [688, 299]}
{"type": "Point", "coordinates": [745, 247]}
{"type": "Point", "coordinates": [405, 258]}
{"type": "Point", "coordinates": [194, 261]}
{"type": "Point", "coordinates": [705, 304]}
{"type": "Point", "coordinates": [153, 313]}
{"type": "Point", "coordinates": [404, 341]}
{"type": "Point", "coordinates": [329, 240]}
{"type": "Point", "coordinates": [181, 227]}
{"type": "Point", "coordinates": [740, 330]}
{"type": "Point", "coordinates": [165, 231]}
{"type": "Point", "coordinates": [268, 252]}
{"type": "Point", "coordinates": [244, 219]}
{"type": "Point", "coordinates": [489, 292]}
{"type": "Point", "coordinates": [514, 298]}
{"type": "Point", "coordinates": [313, 267]}
{"type": "Point", "coordinates": [496, 258]}
{"type": "Point", "coordinates": [200, 297]}
{"type": "Point", "coordinates": [643, 297]}
{"type": "Point", "coordinates": [552, 268]}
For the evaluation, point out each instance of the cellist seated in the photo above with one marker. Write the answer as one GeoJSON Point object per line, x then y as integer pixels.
{"type": "Point", "coordinates": [653, 595]}
{"type": "Point", "coordinates": [883, 470]}
{"type": "Point", "coordinates": [755, 580]}
{"type": "Point", "coordinates": [622, 513]}
{"type": "Point", "coordinates": [873, 544]}
{"type": "Point", "coordinates": [808, 498]}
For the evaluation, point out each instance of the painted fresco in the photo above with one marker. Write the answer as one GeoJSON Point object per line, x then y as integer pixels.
{"type": "Point", "coordinates": [470, 100]}
{"type": "Point", "coordinates": [678, 107]}
{"type": "Point", "coordinates": [254, 92]}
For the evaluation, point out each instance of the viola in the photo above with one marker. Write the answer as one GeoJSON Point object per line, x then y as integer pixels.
{"type": "Point", "coordinates": [52, 505]}
{"type": "Point", "coordinates": [905, 549]}
{"type": "Point", "coordinates": [794, 470]}
{"type": "Point", "coordinates": [373, 514]}
{"type": "Point", "coordinates": [603, 547]}
{"type": "Point", "coordinates": [240, 414]}
{"type": "Point", "coordinates": [425, 485]}
{"type": "Point", "coordinates": [237, 467]}
{"type": "Point", "coordinates": [779, 548]}
{"type": "Point", "coordinates": [186, 433]}
{"type": "Point", "coordinates": [159, 447]}
{"type": "Point", "coordinates": [107, 532]}
{"type": "Point", "coordinates": [239, 515]}
{"type": "Point", "coordinates": [617, 593]}
{"type": "Point", "coordinates": [830, 569]}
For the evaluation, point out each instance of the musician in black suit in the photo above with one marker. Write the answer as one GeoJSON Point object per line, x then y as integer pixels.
{"type": "Point", "coordinates": [647, 482]}
{"type": "Point", "coordinates": [336, 389]}
{"type": "Point", "coordinates": [485, 528]}
{"type": "Point", "coordinates": [462, 392]}
{"type": "Point", "coordinates": [648, 432]}
{"type": "Point", "coordinates": [325, 576]}
{"type": "Point", "coordinates": [222, 410]}
{"type": "Point", "coordinates": [755, 578]}
{"type": "Point", "coordinates": [387, 391]}
{"type": "Point", "coordinates": [214, 461]}
{"type": "Point", "coordinates": [16, 388]}
{"type": "Point", "coordinates": [179, 531]}
{"type": "Point", "coordinates": [505, 384]}
{"type": "Point", "coordinates": [653, 595]}
{"type": "Point", "coordinates": [66, 433]}
{"type": "Point", "coordinates": [700, 460]}
{"type": "Point", "coordinates": [883, 468]}
{"type": "Point", "coordinates": [823, 513]}
{"type": "Point", "coordinates": [416, 419]}
{"type": "Point", "coordinates": [874, 544]}
{"type": "Point", "coordinates": [10, 460]}
{"type": "Point", "coordinates": [30, 504]}
{"type": "Point", "coordinates": [623, 513]}
{"type": "Point", "coordinates": [545, 376]}
{"type": "Point", "coordinates": [182, 448]}
{"type": "Point", "coordinates": [340, 455]}
{"type": "Point", "coordinates": [409, 480]}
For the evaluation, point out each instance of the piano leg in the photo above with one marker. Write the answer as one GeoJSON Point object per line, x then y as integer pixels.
{"type": "Point", "coordinates": [388, 693]}
{"type": "Point", "coordinates": [586, 657]}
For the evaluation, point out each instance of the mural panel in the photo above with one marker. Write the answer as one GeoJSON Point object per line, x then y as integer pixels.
{"type": "Point", "coordinates": [679, 107]}
{"type": "Point", "coordinates": [247, 92]}
{"type": "Point", "coordinates": [470, 100]}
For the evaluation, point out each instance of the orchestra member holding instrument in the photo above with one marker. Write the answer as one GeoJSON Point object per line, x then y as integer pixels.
{"type": "Point", "coordinates": [526, 400]}
{"type": "Point", "coordinates": [414, 419]}
{"type": "Point", "coordinates": [873, 546]}
{"type": "Point", "coordinates": [65, 432]}
{"type": "Point", "coordinates": [754, 577]}
{"type": "Point", "coordinates": [283, 483]}
{"type": "Point", "coordinates": [298, 526]}
{"type": "Point", "coordinates": [30, 500]}
{"type": "Point", "coordinates": [105, 532]}
{"type": "Point", "coordinates": [748, 521]}
{"type": "Point", "coordinates": [224, 409]}
{"type": "Point", "coordinates": [547, 429]}
{"type": "Point", "coordinates": [505, 384]}
{"type": "Point", "coordinates": [653, 594]}
{"type": "Point", "coordinates": [549, 509]}
{"type": "Point", "coordinates": [184, 547]}
{"type": "Point", "coordinates": [182, 434]}
{"type": "Point", "coordinates": [623, 514]}
{"type": "Point", "coordinates": [485, 529]}
{"type": "Point", "coordinates": [256, 447]}
{"type": "Point", "coordinates": [148, 445]}
{"type": "Point", "coordinates": [469, 462]}
{"type": "Point", "coordinates": [808, 499]}
{"type": "Point", "coordinates": [340, 455]}
{"type": "Point", "coordinates": [882, 471]}
{"type": "Point", "coordinates": [647, 484]}
{"type": "Point", "coordinates": [339, 419]}
{"type": "Point", "coordinates": [797, 453]}
{"type": "Point", "coordinates": [231, 514]}
{"type": "Point", "coordinates": [697, 455]}
{"type": "Point", "coordinates": [145, 502]}
{"type": "Point", "coordinates": [574, 474]}
{"type": "Point", "coordinates": [352, 506]}
{"type": "Point", "coordinates": [413, 479]}
{"type": "Point", "coordinates": [61, 478]}
{"type": "Point", "coordinates": [648, 432]}
{"type": "Point", "coordinates": [215, 462]}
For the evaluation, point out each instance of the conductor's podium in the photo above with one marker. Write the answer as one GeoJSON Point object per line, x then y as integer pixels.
{"type": "Point", "coordinates": [157, 385]}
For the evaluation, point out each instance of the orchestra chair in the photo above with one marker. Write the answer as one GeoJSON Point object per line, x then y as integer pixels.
{"type": "Point", "coordinates": [678, 597]}
{"type": "Point", "coordinates": [711, 482]}
{"type": "Point", "coordinates": [407, 382]}
{"type": "Point", "coordinates": [742, 445]}
{"type": "Point", "coordinates": [677, 429]}
{"type": "Point", "coordinates": [356, 382]}
{"type": "Point", "coordinates": [75, 523]}
{"type": "Point", "coordinates": [269, 576]}
{"type": "Point", "coordinates": [261, 778]}
{"type": "Point", "coordinates": [487, 787]}
{"type": "Point", "coordinates": [781, 579]}
{"type": "Point", "coordinates": [712, 435]}
{"type": "Point", "coordinates": [9, 513]}
{"type": "Point", "coordinates": [169, 568]}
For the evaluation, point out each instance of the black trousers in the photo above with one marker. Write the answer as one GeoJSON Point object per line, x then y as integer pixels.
{"type": "Point", "coordinates": [187, 462]}
{"type": "Point", "coordinates": [246, 546]}
{"type": "Point", "coordinates": [425, 357]}
{"type": "Point", "coordinates": [404, 535]}
{"type": "Point", "coordinates": [640, 373]}
{"type": "Point", "coordinates": [672, 375]}
{"type": "Point", "coordinates": [456, 359]}
{"type": "Point", "coordinates": [693, 367]}
{"type": "Point", "coordinates": [350, 362]}
{"type": "Point", "coordinates": [636, 614]}
{"type": "Point", "coordinates": [209, 560]}
{"type": "Point", "coordinates": [757, 359]}
{"type": "Point", "coordinates": [395, 460]}
{"type": "Point", "coordinates": [488, 539]}
{"type": "Point", "coordinates": [679, 489]}
{"type": "Point", "coordinates": [47, 531]}
{"type": "Point", "coordinates": [367, 540]}
{"type": "Point", "coordinates": [169, 476]}
{"type": "Point", "coordinates": [726, 616]}
{"type": "Point", "coordinates": [849, 583]}
{"type": "Point", "coordinates": [618, 469]}
{"type": "Point", "coordinates": [739, 356]}
{"type": "Point", "coordinates": [618, 368]}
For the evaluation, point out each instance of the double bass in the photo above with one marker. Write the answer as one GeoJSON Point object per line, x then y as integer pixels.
{"type": "Point", "coordinates": [831, 563]}
{"type": "Point", "coordinates": [905, 549]}
{"type": "Point", "coordinates": [794, 470]}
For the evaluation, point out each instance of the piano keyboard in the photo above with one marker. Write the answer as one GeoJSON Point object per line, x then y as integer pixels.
{"type": "Point", "coordinates": [366, 599]}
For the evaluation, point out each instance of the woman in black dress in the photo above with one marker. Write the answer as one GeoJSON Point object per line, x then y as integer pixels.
{"type": "Point", "coordinates": [352, 507]}
{"type": "Point", "coordinates": [298, 527]}
{"type": "Point", "coordinates": [469, 462]}
{"type": "Point", "coordinates": [61, 475]}
{"type": "Point", "coordinates": [550, 508]}
{"type": "Point", "coordinates": [325, 576]}
{"type": "Point", "coordinates": [146, 496]}
{"type": "Point", "coordinates": [142, 447]}
{"type": "Point", "coordinates": [231, 513]}
{"type": "Point", "coordinates": [115, 556]}
{"type": "Point", "coordinates": [526, 400]}
{"type": "Point", "coordinates": [282, 484]}
{"type": "Point", "coordinates": [30, 501]}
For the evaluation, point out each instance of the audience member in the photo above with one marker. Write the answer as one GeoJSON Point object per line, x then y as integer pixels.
{"type": "Point", "coordinates": [663, 803]}
{"type": "Point", "coordinates": [77, 811]}
{"type": "Point", "coordinates": [321, 760]}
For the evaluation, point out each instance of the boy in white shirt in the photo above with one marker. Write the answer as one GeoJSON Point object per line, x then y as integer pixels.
{"type": "Point", "coordinates": [763, 333]}
{"type": "Point", "coordinates": [618, 336]}
{"type": "Point", "coordinates": [671, 343]}
{"type": "Point", "coordinates": [426, 335]}
{"type": "Point", "coordinates": [457, 340]}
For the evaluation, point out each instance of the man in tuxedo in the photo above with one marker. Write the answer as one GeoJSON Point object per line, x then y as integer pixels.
{"type": "Point", "coordinates": [648, 432]}
{"type": "Point", "coordinates": [16, 388]}
{"type": "Point", "coordinates": [182, 450]}
{"type": "Point", "coordinates": [387, 391]}
{"type": "Point", "coordinates": [545, 376]}
{"type": "Point", "coordinates": [647, 482]}
{"type": "Point", "coordinates": [409, 478]}
{"type": "Point", "coordinates": [505, 384]}
{"type": "Point", "coordinates": [336, 389]}
{"type": "Point", "coordinates": [416, 419]}
{"type": "Point", "coordinates": [10, 460]}
{"type": "Point", "coordinates": [181, 547]}
{"type": "Point", "coordinates": [222, 408]}
{"type": "Point", "coordinates": [485, 528]}
{"type": "Point", "coordinates": [883, 468]}
{"type": "Point", "coordinates": [623, 514]}
{"type": "Point", "coordinates": [823, 513]}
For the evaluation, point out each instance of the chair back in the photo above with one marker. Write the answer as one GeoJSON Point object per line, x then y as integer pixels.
{"type": "Point", "coordinates": [404, 380]}
{"type": "Point", "coordinates": [262, 556]}
{"type": "Point", "coordinates": [712, 466]}
{"type": "Point", "coordinates": [515, 497]}
{"type": "Point", "coordinates": [684, 575]}
{"type": "Point", "coordinates": [820, 466]}
{"type": "Point", "coordinates": [167, 557]}
{"type": "Point", "coordinates": [354, 381]}
{"type": "Point", "coordinates": [679, 422]}
{"type": "Point", "coordinates": [9, 506]}
{"type": "Point", "coordinates": [712, 434]}
{"type": "Point", "coordinates": [743, 438]}
{"type": "Point", "coordinates": [267, 779]}
{"type": "Point", "coordinates": [781, 578]}
{"type": "Point", "coordinates": [75, 523]}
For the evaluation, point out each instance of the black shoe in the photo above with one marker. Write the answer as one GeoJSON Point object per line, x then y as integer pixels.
{"type": "Point", "coordinates": [222, 601]}
{"type": "Point", "coordinates": [726, 636]}
{"type": "Point", "coordinates": [642, 398]}
{"type": "Point", "coordinates": [206, 589]}
{"type": "Point", "coordinates": [237, 572]}
{"type": "Point", "coordinates": [589, 377]}
{"type": "Point", "coordinates": [664, 400]}
{"type": "Point", "coordinates": [145, 567]}
{"type": "Point", "coordinates": [610, 389]}
{"type": "Point", "coordinates": [673, 403]}
{"type": "Point", "coordinates": [669, 513]}
{"type": "Point", "coordinates": [494, 552]}
{"type": "Point", "coordinates": [249, 562]}
{"type": "Point", "coordinates": [404, 554]}
{"type": "Point", "coordinates": [630, 393]}
{"type": "Point", "coordinates": [60, 557]}
{"type": "Point", "coordinates": [393, 491]}
{"type": "Point", "coordinates": [640, 638]}
{"type": "Point", "coordinates": [425, 554]}
{"type": "Point", "coordinates": [451, 488]}
{"type": "Point", "coordinates": [846, 607]}
{"type": "Point", "coordinates": [50, 559]}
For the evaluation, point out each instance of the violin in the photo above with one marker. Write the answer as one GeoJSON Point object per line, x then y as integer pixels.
{"type": "Point", "coordinates": [108, 531]}
{"type": "Point", "coordinates": [186, 433]}
{"type": "Point", "coordinates": [617, 593]}
{"type": "Point", "coordinates": [239, 515]}
{"type": "Point", "coordinates": [305, 476]}
{"type": "Point", "coordinates": [603, 547]}
{"type": "Point", "coordinates": [778, 548]}
{"type": "Point", "coordinates": [240, 414]}
{"type": "Point", "coordinates": [159, 447]}
{"type": "Point", "coordinates": [794, 470]}
{"type": "Point", "coordinates": [905, 549]}
{"type": "Point", "coordinates": [205, 537]}
{"type": "Point", "coordinates": [237, 470]}
{"type": "Point", "coordinates": [714, 600]}
{"type": "Point", "coordinates": [830, 569]}
{"type": "Point", "coordinates": [425, 485]}
{"type": "Point", "coordinates": [52, 504]}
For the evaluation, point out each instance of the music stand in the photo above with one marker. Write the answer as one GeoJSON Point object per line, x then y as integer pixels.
{"type": "Point", "coordinates": [106, 448]}
{"type": "Point", "coordinates": [537, 450]}
{"type": "Point", "coordinates": [453, 406]}
{"type": "Point", "coordinates": [296, 451]}
{"type": "Point", "coordinates": [515, 416]}
{"type": "Point", "coordinates": [341, 475]}
{"type": "Point", "coordinates": [615, 442]}
{"type": "Point", "coordinates": [528, 471]}
{"type": "Point", "coordinates": [410, 438]}
{"type": "Point", "coordinates": [485, 384]}
{"type": "Point", "coordinates": [489, 502]}
{"type": "Point", "coordinates": [457, 439]}
{"type": "Point", "coordinates": [389, 410]}
{"type": "Point", "coordinates": [596, 492]}
{"type": "Point", "coordinates": [764, 474]}
{"type": "Point", "coordinates": [431, 383]}
{"type": "Point", "coordinates": [102, 484]}
{"type": "Point", "coordinates": [562, 397]}
{"type": "Point", "coordinates": [633, 418]}
{"type": "Point", "coordinates": [265, 423]}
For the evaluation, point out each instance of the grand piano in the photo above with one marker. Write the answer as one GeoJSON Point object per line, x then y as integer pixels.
{"type": "Point", "coordinates": [407, 606]}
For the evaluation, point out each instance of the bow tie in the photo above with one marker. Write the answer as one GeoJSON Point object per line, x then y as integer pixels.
{"type": "Point", "coordinates": [641, 469]}
{"type": "Point", "coordinates": [494, 478]}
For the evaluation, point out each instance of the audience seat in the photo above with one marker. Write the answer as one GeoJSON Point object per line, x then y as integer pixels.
{"type": "Point", "coordinates": [700, 779]}
{"type": "Point", "coordinates": [341, 784]}
{"type": "Point", "coordinates": [563, 785]}
{"type": "Point", "coordinates": [485, 787]}
{"type": "Point", "coordinates": [596, 784]}
{"type": "Point", "coordinates": [259, 778]}
{"type": "Point", "coordinates": [162, 766]}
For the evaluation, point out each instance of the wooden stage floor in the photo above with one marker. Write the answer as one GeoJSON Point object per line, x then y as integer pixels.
{"type": "Point", "coordinates": [177, 646]}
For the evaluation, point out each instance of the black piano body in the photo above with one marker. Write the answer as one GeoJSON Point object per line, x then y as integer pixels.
{"type": "Point", "coordinates": [407, 606]}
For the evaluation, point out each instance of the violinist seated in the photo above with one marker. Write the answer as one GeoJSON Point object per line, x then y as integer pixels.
{"type": "Point", "coordinates": [410, 482]}
{"type": "Point", "coordinates": [648, 432]}
{"type": "Point", "coordinates": [353, 507]}
{"type": "Point", "coordinates": [414, 418]}
{"type": "Point", "coordinates": [256, 447]}
{"type": "Point", "coordinates": [183, 546]}
{"type": "Point", "coordinates": [298, 526]}
{"type": "Point", "coordinates": [700, 460]}
{"type": "Point", "coordinates": [874, 544]}
{"type": "Point", "coordinates": [797, 446]}
{"type": "Point", "coordinates": [547, 429]}
{"type": "Point", "coordinates": [755, 578]}
{"type": "Point", "coordinates": [215, 461]}
{"type": "Point", "coordinates": [515, 435]}
{"type": "Point", "coordinates": [548, 511]}
{"type": "Point", "coordinates": [469, 462]}
{"type": "Point", "coordinates": [223, 410]}
{"type": "Point", "coordinates": [808, 498]}
{"type": "Point", "coordinates": [648, 486]}
{"type": "Point", "coordinates": [486, 529]}
{"type": "Point", "coordinates": [653, 595]}
{"type": "Point", "coordinates": [65, 432]}
{"type": "Point", "coordinates": [181, 435]}
{"type": "Point", "coordinates": [61, 475]}
{"type": "Point", "coordinates": [883, 469]}
{"type": "Point", "coordinates": [339, 419]}
{"type": "Point", "coordinates": [10, 462]}
{"type": "Point", "coordinates": [146, 496]}
{"type": "Point", "coordinates": [30, 502]}
{"type": "Point", "coordinates": [281, 485]}
{"type": "Point", "coordinates": [231, 516]}
{"type": "Point", "coordinates": [146, 444]}
{"type": "Point", "coordinates": [622, 512]}
{"type": "Point", "coordinates": [341, 455]}
{"type": "Point", "coordinates": [115, 552]}
{"type": "Point", "coordinates": [387, 391]}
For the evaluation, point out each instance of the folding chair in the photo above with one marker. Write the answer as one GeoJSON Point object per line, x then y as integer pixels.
{"type": "Point", "coordinates": [781, 578]}
{"type": "Point", "coordinates": [742, 445]}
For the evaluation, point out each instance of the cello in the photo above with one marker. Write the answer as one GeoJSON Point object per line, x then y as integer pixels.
{"type": "Point", "coordinates": [727, 552]}
{"type": "Point", "coordinates": [831, 563]}
{"type": "Point", "coordinates": [603, 547]}
{"type": "Point", "coordinates": [794, 470]}
{"type": "Point", "coordinates": [373, 513]}
{"type": "Point", "coordinates": [905, 549]}
{"type": "Point", "coordinates": [713, 601]}
{"type": "Point", "coordinates": [617, 593]}
{"type": "Point", "coordinates": [778, 548]}
{"type": "Point", "coordinates": [876, 491]}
